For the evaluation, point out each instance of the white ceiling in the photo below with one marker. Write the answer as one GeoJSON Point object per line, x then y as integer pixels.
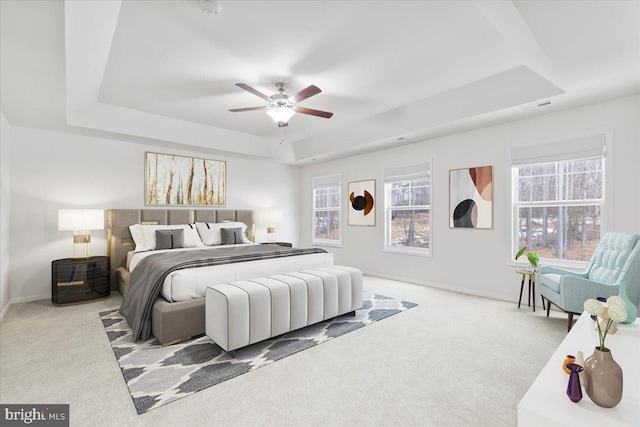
{"type": "Point", "coordinates": [163, 72]}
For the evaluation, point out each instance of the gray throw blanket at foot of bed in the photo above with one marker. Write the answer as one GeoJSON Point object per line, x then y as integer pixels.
{"type": "Point", "coordinates": [147, 278]}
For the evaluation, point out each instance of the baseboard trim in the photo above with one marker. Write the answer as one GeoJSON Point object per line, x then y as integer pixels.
{"type": "Point", "coordinates": [443, 287]}
{"type": "Point", "coordinates": [29, 299]}
{"type": "Point", "coordinates": [5, 310]}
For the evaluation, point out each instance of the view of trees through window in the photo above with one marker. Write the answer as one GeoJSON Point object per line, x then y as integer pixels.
{"type": "Point", "coordinates": [408, 213]}
{"type": "Point", "coordinates": [326, 207]}
{"type": "Point", "coordinates": [559, 207]}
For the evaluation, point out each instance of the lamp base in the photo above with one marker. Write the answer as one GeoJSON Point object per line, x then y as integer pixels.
{"type": "Point", "coordinates": [271, 234]}
{"type": "Point", "coordinates": [81, 245]}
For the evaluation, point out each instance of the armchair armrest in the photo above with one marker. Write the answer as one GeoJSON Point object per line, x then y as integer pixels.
{"type": "Point", "coordinates": [576, 290]}
{"type": "Point", "coordinates": [554, 270]}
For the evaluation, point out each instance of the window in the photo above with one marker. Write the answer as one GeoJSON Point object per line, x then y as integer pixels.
{"type": "Point", "coordinates": [558, 198]}
{"type": "Point", "coordinates": [327, 209]}
{"type": "Point", "coordinates": [407, 195]}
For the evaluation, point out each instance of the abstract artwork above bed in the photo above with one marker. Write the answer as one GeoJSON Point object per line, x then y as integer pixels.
{"type": "Point", "coordinates": [184, 181]}
{"type": "Point", "coordinates": [157, 375]}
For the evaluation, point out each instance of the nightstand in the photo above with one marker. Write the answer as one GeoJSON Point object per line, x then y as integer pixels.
{"type": "Point", "coordinates": [287, 244]}
{"type": "Point", "coordinates": [77, 280]}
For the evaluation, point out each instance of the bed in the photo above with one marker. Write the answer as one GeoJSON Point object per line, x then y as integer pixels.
{"type": "Point", "coordinates": [178, 313]}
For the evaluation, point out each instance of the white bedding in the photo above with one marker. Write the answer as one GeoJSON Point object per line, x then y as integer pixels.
{"type": "Point", "coordinates": [183, 285]}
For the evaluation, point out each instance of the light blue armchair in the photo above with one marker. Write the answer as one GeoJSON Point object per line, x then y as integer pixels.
{"type": "Point", "coordinates": [616, 258]}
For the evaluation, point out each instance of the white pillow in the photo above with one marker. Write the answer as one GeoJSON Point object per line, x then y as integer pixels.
{"type": "Point", "coordinates": [209, 233]}
{"type": "Point", "coordinates": [191, 237]}
{"type": "Point", "coordinates": [136, 234]}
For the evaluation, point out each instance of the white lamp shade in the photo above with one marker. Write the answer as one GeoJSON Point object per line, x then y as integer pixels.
{"type": "Point", "coordinates": [270, 217]}
{"type": "Point", "coordinates": [80, 219]}
{"type": "Point", "coordinates": [281, 114]}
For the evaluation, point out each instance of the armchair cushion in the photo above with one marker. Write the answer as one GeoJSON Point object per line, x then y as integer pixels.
{"type": "Point", "coordinates": [610, 257]}
{"type": "Point", "coordinates": [551, 281]}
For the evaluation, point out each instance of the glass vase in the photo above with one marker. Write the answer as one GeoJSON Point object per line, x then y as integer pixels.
{"type": "Point", "coordinates": [574, 390]}
{"type": "Point", "coordinates": [631, 308]}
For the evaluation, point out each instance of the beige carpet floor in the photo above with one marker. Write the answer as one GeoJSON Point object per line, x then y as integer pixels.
{"type": "Point", "coordinates": [455, 360]}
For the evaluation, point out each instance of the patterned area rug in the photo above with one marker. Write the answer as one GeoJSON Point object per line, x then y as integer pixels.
{"type": "Point", "coordinates": [157, 375]}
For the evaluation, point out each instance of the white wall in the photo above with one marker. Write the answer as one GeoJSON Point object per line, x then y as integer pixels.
{"type": "Point", "coordinates": [469, 260]}
{"type": "Point", "coordinates": [51, 170]}
{"type": "Point", "coordinates": [5, 203]}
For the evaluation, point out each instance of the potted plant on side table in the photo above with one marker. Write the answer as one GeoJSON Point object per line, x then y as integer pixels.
{"type": "Point", "coordinates": [533, 258]}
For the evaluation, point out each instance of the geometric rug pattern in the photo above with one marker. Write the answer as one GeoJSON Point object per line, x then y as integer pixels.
{"type": "Point", "coordinates": [157, 375]}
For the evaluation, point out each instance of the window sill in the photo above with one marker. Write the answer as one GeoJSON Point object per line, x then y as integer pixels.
{"type": "Point", "coordinates": [407, 251]}
{"type": "Point", "coordinates": [576, 266]}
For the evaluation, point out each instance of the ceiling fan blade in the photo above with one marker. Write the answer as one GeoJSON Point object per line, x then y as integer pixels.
{"type": "Point", "coordinates": [239, 110]}
{"type": "Point", "coordinates": [305, 93]}
{"type": "Point", "coordinates": [310, 111]}
{"type": "Point", "coordinates": [253, 91]}
{"type": "Point", "coordinates": [283, 124]}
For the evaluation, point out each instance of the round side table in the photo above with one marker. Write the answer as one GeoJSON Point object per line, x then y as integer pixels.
{"type": "Point", "coordinates": [532, 287]}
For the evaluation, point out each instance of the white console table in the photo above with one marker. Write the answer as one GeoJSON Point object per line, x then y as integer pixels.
{"type": "Point", "coordinates": [546, 402]}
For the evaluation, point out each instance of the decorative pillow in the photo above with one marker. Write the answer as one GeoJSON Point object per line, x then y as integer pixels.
{"type": "Point", "coordinates": [191, 237]}
{"type": "Point", "coordinates": [242, 225]}
{"type": "Point", "coordinates": [231, 236]}
{"type": "Point", "coordinates": [170, 239]}
{"type": "Point", "coordinates": [209, 233]}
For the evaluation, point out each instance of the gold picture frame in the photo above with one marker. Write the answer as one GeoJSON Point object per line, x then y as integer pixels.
{"type": "Point", "coordinates": [173, 180]}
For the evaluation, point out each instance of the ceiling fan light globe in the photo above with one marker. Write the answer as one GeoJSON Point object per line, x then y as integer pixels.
{"type": "Point", "coordinates": [210, 6]}
{"type": "Point", "coordinates": [280, 114]}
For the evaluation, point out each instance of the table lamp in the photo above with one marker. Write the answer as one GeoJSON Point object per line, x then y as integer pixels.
{"type": "Point", "coordinates": [80, 221]}
{"type": "Point", "coordinates": [270, 218]}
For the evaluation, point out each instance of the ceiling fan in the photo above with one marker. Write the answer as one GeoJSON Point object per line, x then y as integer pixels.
{"type": "Point", "coordinates": [282, 107]}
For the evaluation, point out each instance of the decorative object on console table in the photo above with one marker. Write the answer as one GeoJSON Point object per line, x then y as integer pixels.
{"type": "Point", "coordinates": [631, 308]}
{"type": "Point", "coordinates": [362, 202]}
{"type": "Point", "coordinates": [603, 376]}
{"type": "Point", "coordinates": [80, 221]}
{"type": "Point", "coordinates": [76, 280]}
{"type": "Point", "coordinates": [574, 389]}
{"type": "Point", "coordinates": [568, 360]}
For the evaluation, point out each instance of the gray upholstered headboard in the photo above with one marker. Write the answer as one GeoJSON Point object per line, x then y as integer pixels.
{"type": "Point", "coordinates": [119, 220]}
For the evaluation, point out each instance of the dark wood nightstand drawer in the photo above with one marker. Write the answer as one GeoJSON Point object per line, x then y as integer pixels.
{"type": "Point", "coordinates": [287, 244]}
{"type": "Point", "coordinates": [75, 280]}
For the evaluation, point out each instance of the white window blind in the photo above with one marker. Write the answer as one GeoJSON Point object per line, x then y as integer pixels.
{"type": "Point", "coordinates": [326, 181]}
{"type": "Point", "coordinates": [406, 173]}
{"type": "Point", "coordinates": [571, 149]}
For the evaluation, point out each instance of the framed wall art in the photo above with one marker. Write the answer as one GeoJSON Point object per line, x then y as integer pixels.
{"type": "Point", "coordinates": [188, 181]}
{"type": "Point", "coordinates": [362, 202]}
{"type": "Point", "coordinates": [471, 197]}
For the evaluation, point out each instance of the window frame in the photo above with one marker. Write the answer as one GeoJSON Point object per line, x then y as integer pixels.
{"type": "Point", "coordinates": [388, 209]}
{"type": "Point", "coordinates": [605, 204]}
{"type": "Point", "coordinates": [338, 178]}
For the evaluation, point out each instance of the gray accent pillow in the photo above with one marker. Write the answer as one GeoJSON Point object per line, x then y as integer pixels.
{"type": "Point", "coordinates": [231, 236]}
{"type": "Point", "coordinates": [170, 239]}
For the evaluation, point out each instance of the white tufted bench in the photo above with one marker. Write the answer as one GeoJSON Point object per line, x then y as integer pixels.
{"type": "Point", "coordinates": [241, 313]}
